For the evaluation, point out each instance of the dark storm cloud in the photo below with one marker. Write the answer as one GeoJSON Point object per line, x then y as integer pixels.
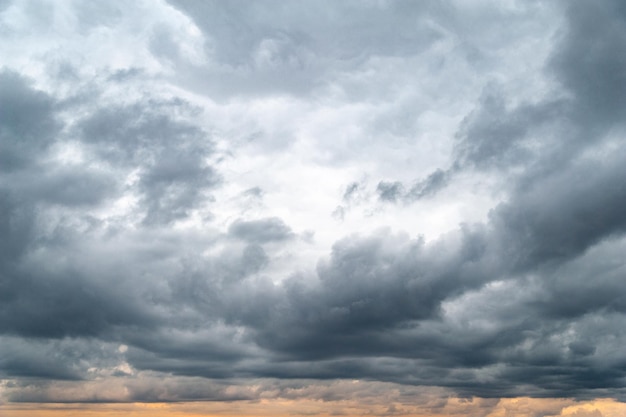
{"type": "Point", "coordinates": [29, 127]}
{"type": "Point", "coordinates": [590, 64]}
{"type": "Point", "coordinates": [46, 292]}
{"type": "Point", "coordinates": [546, 135]}
{"type": "Point", "coordinates": [27, 130]}
{"type": "Point", "coordinates": [562, 203]}
{"type": "Point", "coordinates": [559, 218]}
{"type": "Point", "coordinates": [589, 284]}
{"type": "Point", "coordinates": [382, 296]}
{"type": "Point", "coordinates": [49, 294]}
{"type": "Point", "coordinates": [529, 302]}
{"type": "Point", "coordinates": [66, 359]}
{"type": "Point", "coordinates": [370, 288]}
{"type": "Point", "coordinates": [27, 122]}
{"type": "Point", "coordinates": [50, 306]}
{"type": "Point", "coordinates": [203, 349]}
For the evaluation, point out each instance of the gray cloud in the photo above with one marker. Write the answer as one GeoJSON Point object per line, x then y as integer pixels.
{"type": "Point", "coordinates": [27, 124]}
{"type": "Point", "coordinates": [389, 191]}
{"type": "Point", "coordinates": [595, 77]}
{"type": "Point", "coordinates": [293, 51]}
{"type": "Point", "coordinates": [111, 259]}
{"type": "Point", "coordinates": [63, 360]}
{"type": "Point", "coordinates": [70, 186]}
{"type": "Point", "coordinates": [428, 187]}
{"type": "Point", "coordinates": [494, 136]}
{"type": "Point", "coordinates": [171, 156]}
{"type": "Point", "coordinates": [261, 231]}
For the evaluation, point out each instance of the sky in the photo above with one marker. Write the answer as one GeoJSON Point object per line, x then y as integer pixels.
{"type": "Point", "coordinates": [372, 207]}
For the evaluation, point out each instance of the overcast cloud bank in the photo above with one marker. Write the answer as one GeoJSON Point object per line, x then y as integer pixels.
{"type": "Point", "coordinates": [228, 201]}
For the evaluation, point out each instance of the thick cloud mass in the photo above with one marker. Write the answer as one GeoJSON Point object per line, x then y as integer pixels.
{"type": "Point", "coordinates": [198, 196]}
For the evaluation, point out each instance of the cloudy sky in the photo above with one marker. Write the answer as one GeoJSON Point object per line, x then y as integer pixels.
{"type": "Point", "coordinates": [363, 207]}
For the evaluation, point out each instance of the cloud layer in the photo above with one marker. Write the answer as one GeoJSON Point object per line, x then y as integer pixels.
{"type": "Point", "coordinates": [227, 201]}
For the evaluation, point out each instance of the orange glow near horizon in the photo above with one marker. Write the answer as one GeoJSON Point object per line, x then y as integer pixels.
{"type": "Point", "coordinates": [453, 407]}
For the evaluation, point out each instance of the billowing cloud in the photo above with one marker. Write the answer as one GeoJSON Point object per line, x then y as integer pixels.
{"type": "Point", "coordinates": [343, 203]}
